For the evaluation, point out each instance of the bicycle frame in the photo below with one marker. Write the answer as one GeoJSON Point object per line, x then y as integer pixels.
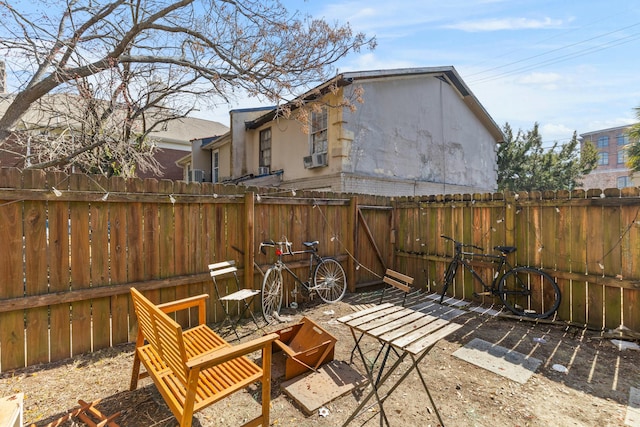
{"type": "Point", "coordinates": [459, 259]}
{"type": "Point", "coordinates": [526, 291]}
{"type": "Point", "coordinates": [285, 248]}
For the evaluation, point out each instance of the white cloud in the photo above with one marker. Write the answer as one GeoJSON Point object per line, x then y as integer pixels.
{"type": "Point", "coordinates": [546, 81]}
{"type": "Point", "coordinates": [506, 24]}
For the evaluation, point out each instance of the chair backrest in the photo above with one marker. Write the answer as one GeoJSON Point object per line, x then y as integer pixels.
{"type": "Point", "coordinates": [222, 268]}
{"type": "Point", "coordinates": [399, 281]}
{"type": "Point", "coordinates": [162, 333]}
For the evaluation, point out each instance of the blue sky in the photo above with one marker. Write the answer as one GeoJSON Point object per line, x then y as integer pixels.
{"type": "Point", "coordinates": [566, 64]}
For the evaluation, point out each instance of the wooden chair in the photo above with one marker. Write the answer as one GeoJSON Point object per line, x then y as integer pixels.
{"type": "Point", "coordinates": [195, 368]}
{"type": "Point", "coordinates": [398, 281]}
{"type": "Point", "coordinates": [392, 280]}
{"type": "Point", "coordinates": [239, 296]}
{"type": "Point", "coordinates": [307, 346]}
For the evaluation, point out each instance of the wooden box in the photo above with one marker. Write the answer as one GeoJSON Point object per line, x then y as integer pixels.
{"type": "Point", "coordinates": [306, 346]}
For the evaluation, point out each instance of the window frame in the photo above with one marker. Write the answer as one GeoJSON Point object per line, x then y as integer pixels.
{"type": "Point", "coordinates": [319, 131]}
{"type": "Point", "coordinates": [603, 141]}
{"type": "Point", "coordinates": [626, 181]}
{"type": "Point", "coordinates": [622, 139]}
{"type": "Point", "coordinates": [264, 159]}
{"type": "Point", "coordinates": [215, 166]}
{"type": "Point", "coordinates": [603, 158]}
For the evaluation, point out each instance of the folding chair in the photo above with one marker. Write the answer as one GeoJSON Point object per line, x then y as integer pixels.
{"type": "Point", "coordinates": [240, 296]}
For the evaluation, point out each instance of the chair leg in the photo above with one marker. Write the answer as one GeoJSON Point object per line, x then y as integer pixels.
{"type": "Point", "coordinates": [135, 371]}
{"type": "Point", "coordinates": [266, 384]}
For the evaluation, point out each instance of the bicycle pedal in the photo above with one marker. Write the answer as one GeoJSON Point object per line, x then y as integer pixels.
{"type": "Point", "coordinates": [481, 294]}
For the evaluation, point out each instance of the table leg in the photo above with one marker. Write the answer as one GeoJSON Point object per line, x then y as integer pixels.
{"type": "Point", "coordinates": [373, 384]}
{"type": "Point", "coordinates": [415, 364]}
{"type": "Point", "coordinates": [424, 383]}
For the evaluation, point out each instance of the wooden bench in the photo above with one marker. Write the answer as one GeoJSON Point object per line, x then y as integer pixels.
{"type": "Point", "coordinates": [195, 368]}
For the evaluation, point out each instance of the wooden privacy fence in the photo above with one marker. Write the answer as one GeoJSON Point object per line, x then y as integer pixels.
{"type": "Point", "coordinates": [73, 245]}
{"type": "Point", "coordinates": [589, 241]}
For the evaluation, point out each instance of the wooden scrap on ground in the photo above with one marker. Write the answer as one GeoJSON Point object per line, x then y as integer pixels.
{"type": "Point", "coordinates": [94, 418]}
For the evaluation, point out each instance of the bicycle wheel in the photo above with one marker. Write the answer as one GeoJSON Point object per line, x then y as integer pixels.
{"type": "Point", "coordinates": [529, 292]}
{"type": "Point", "coordinates": [448, 278]}
{"type": "Point", "coordinates": [271, 293]}
{"type": "Point", "coordinates": [330, 281]}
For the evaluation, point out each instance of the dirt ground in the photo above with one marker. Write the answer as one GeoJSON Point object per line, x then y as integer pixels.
{"type": "Point", "coordinates": [593, 392]}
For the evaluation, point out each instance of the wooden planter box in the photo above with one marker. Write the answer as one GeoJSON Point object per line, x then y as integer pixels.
{"type": "Point", "coordinates": [306, 345]}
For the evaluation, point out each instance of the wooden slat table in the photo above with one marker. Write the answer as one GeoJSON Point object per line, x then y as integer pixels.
{"type": "Point", "coordinates": [404, 330]}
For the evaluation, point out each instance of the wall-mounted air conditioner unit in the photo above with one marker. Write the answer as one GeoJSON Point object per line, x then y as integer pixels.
{"type": "Point", "coordinates": [315, 160]}
{"type": "Point", "coordinates": [307, 161]}
{"type": "Point", "coordinates": [197, 175]}
{"type": "Point", "coordinates": [263, 170]}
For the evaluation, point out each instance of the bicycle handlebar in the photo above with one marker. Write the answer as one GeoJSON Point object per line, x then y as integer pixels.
{"type": "Point", "coordinates": [460, 244]}
{"type": "Point", "coordinates": [271, 244]}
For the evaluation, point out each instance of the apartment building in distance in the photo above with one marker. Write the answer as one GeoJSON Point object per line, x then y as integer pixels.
{"type": "Point", "coordinates": [611, 170]}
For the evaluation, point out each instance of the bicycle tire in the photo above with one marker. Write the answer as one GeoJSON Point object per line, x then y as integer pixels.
{"type": "Point", "coordinates": [272, 289]}
{"type": "Point", "coordinates": [448, 278]}
{"type": "Point", "coordinates": [330, 280]}
{"type": "Point", "coordinates": [529, 292]}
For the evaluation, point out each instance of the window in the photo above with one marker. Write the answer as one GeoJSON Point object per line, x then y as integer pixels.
{"type": "Point", "coordinates": [215, 166]}
{"type": "Point", "coordinates": [622, 139]}
{"type": "Point", "coordinates": [622, 157]}
{"type": "Point", "coordinates": [265, 148]}
{"type": "Point", "coordinates": [319, 131]}
{"type": "Point", "coordinates": [603, 158]}
{"type": "Point", "coordinates": [623, 181]}
{"type": "Point", "coordinates": [603, 141]}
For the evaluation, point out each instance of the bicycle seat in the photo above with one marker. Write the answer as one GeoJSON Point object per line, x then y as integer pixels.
{"type": "Point", "coordinates": [310, 244]}
{"type": "Point", "coordinates": [505, 249]}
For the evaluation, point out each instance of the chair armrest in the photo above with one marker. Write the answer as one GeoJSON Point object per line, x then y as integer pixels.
{"type": "Point", "coordinates": [182, 304]}
{"type": "Point", "coordinates": [221, 355]}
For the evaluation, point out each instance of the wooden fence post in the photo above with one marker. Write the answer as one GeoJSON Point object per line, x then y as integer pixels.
{"type": "Point", "coordinates": [510, 218]}
{"type": "Point", "coordinates": [249, 256]}
{"type": "Point", "coordinates": [351, 244]}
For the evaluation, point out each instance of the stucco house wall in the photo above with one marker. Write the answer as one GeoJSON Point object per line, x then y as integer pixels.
{"type": "Point", "coordinates": [417, 128]}
{"type": "Point", "coordinates": [418, 131]}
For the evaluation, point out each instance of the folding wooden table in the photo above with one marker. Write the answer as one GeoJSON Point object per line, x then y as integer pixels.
{"type": "Point", "coordinates": [408, 332]}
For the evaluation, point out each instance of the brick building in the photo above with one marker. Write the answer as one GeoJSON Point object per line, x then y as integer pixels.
{"type": "Point", "coordinates": [611, 170]}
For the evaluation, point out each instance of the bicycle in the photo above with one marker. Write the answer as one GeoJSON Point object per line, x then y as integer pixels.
{"type": "Point", "coordinates": [326, 277]}
{"type": "Point", "coordinates": [525, 291]}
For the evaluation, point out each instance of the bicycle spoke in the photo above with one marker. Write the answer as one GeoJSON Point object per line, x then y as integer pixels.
{"type": "Point", "coordinates": [271, 294]}
{"type": "Point", "coordinates": [329, 280]}
{"type": "Point", "coordinates": [529, 292]}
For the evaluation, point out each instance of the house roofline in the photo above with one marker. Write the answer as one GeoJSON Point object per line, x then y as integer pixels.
{"type": "Point", "coordinates": [582, 135]}
{"type": "Point", "coordinates": [448, 74]}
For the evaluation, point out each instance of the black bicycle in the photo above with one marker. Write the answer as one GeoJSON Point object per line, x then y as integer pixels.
{"type": "Point", "coordinates": [326, 277]}
{"type": "Point", "coordinates": [526, 291]}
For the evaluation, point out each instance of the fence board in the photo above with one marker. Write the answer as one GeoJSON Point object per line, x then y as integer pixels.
{"type": "Point", "coordinates": [563, 256]}
{"type": "Point", "coordinates": [612, 261]}
{"type": "Point", "coordinates": [120, 304]}
{"type": "Point", "coordinates": [166, 231]}
{"type": "Point", "coordinates": [578, 263]}
{"type": "Point", "coordinates": [631, 268]}
{"type": "Point", "coordinates": [36, 283]}
{"type": "Point", "coordinates": [80, 267]}
{"type": "Point", "coordinates": [59, 270]}
{"type": "Point", "coordinates": [100, 307]}
{"type": "Point", "coordinates": [12, 353]}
